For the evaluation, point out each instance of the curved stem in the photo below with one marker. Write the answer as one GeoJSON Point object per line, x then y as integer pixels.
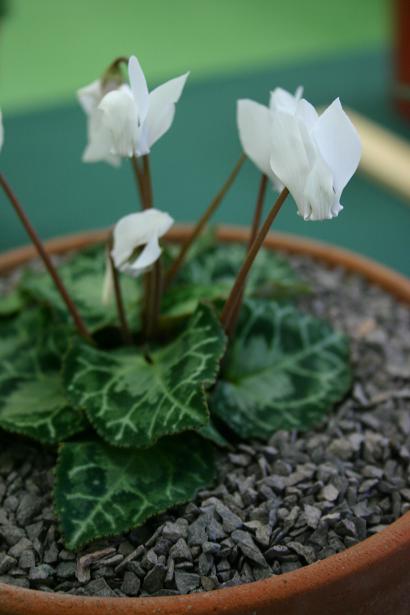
{"type": "Point", "coordinates": [147, 181]}
{"type": "Point", "coordinates": [176, 265]}
{"type": "Point", "coordinates": [78, 321]}
{"type": "Point", "coordinates": [254, 231]}
{"type": "Point", "coordinates": [125, 330]}
{"type": "Point", "coordinates": [237, 288]}
{"type": "Point", "coordinates": [139, 178]}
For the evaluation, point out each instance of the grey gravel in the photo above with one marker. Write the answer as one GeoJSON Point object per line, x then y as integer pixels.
{"type": "Point", "coordinates": [279, 505]}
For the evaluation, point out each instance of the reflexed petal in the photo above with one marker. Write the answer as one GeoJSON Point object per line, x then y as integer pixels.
{"type": "Point", "coordinates": [306, 112]}
{"type": "Point", "coordinates": [339, 143]}
{"type": "Point", "coordinates": [282, 100]}
{"type": "Point", "coordinates": [1, 131]}
{"type": "Point", "coordinates": [289, 160]}
{"type": "Point", "coordinates": [120, 117]}
{"type": "Point", "coordinates": [139, 87]}
{"type": "Point", "coordinates": [90, 96]}
{"type": "Point", "coordinates": [136, 230]}
{"type": "Point", "coordinates": [255, 133]}
{"type": "Point", "coordinates": [320, 198]}
{"type": "Point", "coordinates": [161, 111]}
{"type": "Point", "coordinates": [146, 259]}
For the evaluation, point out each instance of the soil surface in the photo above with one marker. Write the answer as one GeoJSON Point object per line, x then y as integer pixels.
{"type": "Point", "coordinates": [279, 505]}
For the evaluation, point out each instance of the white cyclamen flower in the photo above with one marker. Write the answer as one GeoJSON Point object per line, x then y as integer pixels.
{"type": "Point", "coordinates": [136, 118]}
{"type": "Point", "coordinates": [313, 156]}
{"type": "Point", "coordinates": [99, 144]}
{"type": "Point", "coordinates": [255, 131]}
{"type": "Point", "coordinates": [1, 131]}
{"type": "Point", "coordinates": [142, 231]}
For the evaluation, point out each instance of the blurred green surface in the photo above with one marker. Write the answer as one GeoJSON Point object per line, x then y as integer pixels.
{"type": "Point", "coordinates": [49, 48]}
{"type": "Point", "coordinates": [43, 150]}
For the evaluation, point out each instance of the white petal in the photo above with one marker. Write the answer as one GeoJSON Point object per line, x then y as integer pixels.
{"type": "Point", "coordinates": [289, 160]}
{"type": "Point", "coordinates": [99, 141]}
{"type": "Point", "coordinates": [321, 200]}
{"type": "Point", "coordinates": [90, 96]}
{"type": "Point", "coordinates": [306, 112]}
{"type": "Point", "coordinates": [339, 144]}
{"type": "Point", "coordinates": [108, 284]}
{"type": "Point", "coordinates": [136, 230]}
{"type": "Point", "coordinates": [139, 87]}
{"type": "Point", "coordinates": [120, 118]}
{"type": "Point", "coordinates": [255, 133]}
{"type": "Point", "coordinates": [1, 131]}
{"type": "Point", "coordinates": [161, 111]}
{"type": "Point", "coordinates": [146, 259]}
{"type": "Point", "coordinates": [282, 100]}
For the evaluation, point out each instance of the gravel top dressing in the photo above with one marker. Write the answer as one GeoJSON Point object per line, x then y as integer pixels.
{"type": "Point", "coordinates": [278, 506]}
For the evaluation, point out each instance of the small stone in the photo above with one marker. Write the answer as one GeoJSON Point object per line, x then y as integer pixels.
{"type": "Point", "coordinates": [23, 544]}
{"type": "Point", "coordinates": [312, 515]}
{"type": "Point", "coordinates": [6, 563]}
{"type": "Point", "coordinates": [154, 579]}
{"type": "Point", "coordinates": [248, 547]}
{"type": "Point", "coordinates": [186, 582]}
{"type": "Point", "coordinates": [66, 570]}
{"type": "Point", "coordinates": [308, 553]}
{"type": "Point", "coordinates": [197, 531]}
{"type": "Point", "coordinates": [174, 531]}
{"type": "Point", "coordinates": [131, 584]}
{"type": "Point", "coordinates": [27, 560]}
{"type": "Point", "coordinates": [330, 493]}
{"type": "Point", "coordinates": [11, 534]}
{"type": "Point", "coordinates": [51, 554]}
{"type": "Point", "coordinates": [28, 507]}
{"type": "Point", "coordinates": [180, 551]}
{"type": "Point", "coordinates": [42, 572]}
{"type": "Point", "coordinates": [99, 587]}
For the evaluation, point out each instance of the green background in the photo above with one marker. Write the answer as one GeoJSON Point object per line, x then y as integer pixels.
{"type": "Point", "coordinates": [234, 49]}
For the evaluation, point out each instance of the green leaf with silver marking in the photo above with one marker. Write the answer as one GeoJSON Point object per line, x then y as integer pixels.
{"type": "Point", "coordinates": [101, 490]}
{"type": "Point", "coordinates": [33, 401]}
{"type": "Point", "coordinates": [211, 273]}
{"type": "Point", "coordinates": [284, 370]}
{"type": "Point", "coordinates": [83, 275]}
{"type": "Point", "coordinates": [133, 398]}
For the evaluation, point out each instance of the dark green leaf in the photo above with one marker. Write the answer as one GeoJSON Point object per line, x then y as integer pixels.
{"type": "Point", "coordinates": [83, 276]}
{"type": "Point", "coordinates": [32, 397]}
{"type": "Point", "coordinates": [284, 370]}
{"type": "Point", "coordinates": [103, 491]}
{"type": "Point", "coordinates": [11, 303]}
{"type": "Point", "coordinates": [133, 400]}
{"type": "Point", "coordinates": [211, 273]}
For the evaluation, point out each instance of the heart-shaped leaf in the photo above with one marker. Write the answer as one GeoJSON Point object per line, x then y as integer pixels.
{"type": "Point", "coordinates": [101, 490]}
{"type": "Point", "coordinates": [211, 273]}
{"type": "Point", "coordinates": [33, 401]}
{"type": "Point", "coordinates": [83, 275]}
{"type": "Point", "coordinates": [284, 370]}
{"type": "Point", "coordinates": [133, 399]}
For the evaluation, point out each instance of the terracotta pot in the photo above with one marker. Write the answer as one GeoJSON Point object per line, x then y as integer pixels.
{"type": "Point", "coordinates": [371, 578]}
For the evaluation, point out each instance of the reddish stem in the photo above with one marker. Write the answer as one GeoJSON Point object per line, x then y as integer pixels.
{"type": "Point", "coordinates": [147, 181]}
{"type": "Point", "coordinates": [254, 231]}
{"type": "Point", "coordinates": [139, 178]}
{"type": "Point", "coordinates": [125, 330]}
{"type": "Point", "coordinates": [176, 265]}
{"type": "Point", "coordinates": [237, 288]}
{"type": "Point", "coordinates": [79, 323]}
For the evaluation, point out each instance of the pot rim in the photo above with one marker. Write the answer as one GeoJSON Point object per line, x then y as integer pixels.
{"type": "Point", "coordinates": [373, 552]}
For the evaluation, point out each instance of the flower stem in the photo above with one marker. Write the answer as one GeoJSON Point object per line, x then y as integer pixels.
{"type": "Point", "coordinates": [125, 330]}
{"type": "Point", "coordinates": [258, 209]}
{"type": "Point", "coordinates": [237, 288]}
{"type": "Point", "coordinates": [156, 294]}
{"type": "Point", "coordinates": [254, 231]}
{"type": "Point", "coordinates": [176, 265]}
{"type": "Point", "coordinates": [79, 323]}
{"type": "Point", "coordinates": [139, 178]}
{"type": "Point", "coordinates": [147, 181]}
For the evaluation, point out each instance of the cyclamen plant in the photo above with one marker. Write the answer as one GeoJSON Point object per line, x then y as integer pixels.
{"type": "Point", "coordinates": [140, 358]}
